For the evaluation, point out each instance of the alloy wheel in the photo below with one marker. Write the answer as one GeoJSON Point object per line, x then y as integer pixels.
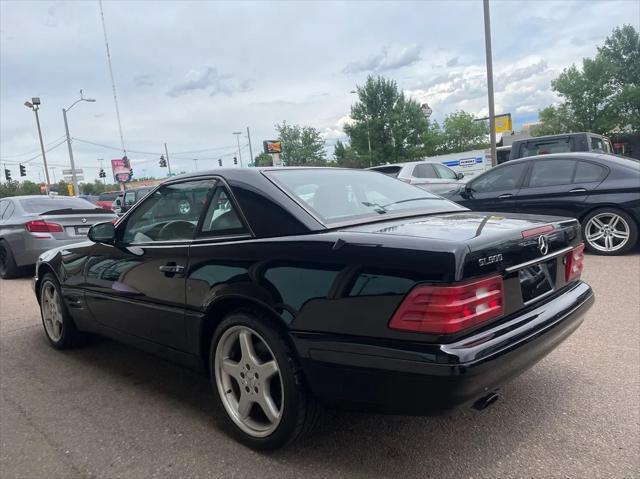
{"type": "Point", "coordinates": [249, 381]}
{"type": "Point", "coordinates": [607, 232]}
{"type": "Point", "coordinates": [51, 311]}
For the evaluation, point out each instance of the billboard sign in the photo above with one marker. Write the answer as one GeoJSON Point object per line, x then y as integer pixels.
{"type": "Point", "coordinates": [272, 146]}
{"type": "Point", "coordinates": [121, 172]}
{"type": "Point", "coordinates": [504, 124]}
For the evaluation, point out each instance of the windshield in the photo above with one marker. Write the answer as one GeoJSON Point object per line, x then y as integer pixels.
{"type": "Point", "coordinates": [338, 195]}
{"type": "Point", "coordinates": [41, 204]}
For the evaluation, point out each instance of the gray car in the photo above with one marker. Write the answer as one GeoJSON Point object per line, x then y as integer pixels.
{"type": "Point", "coordinates": [429, 175]}
{"type": "Point", "coordinates": [31, 225]}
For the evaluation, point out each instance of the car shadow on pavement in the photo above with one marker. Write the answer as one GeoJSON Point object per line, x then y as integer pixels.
{"type": "Point", "coordinates": [358, 444]}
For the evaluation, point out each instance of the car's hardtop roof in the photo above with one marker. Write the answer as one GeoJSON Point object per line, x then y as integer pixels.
{"type": "Point", "coordinates": [579, 155]}
{"type": "Point", "coordinates": [41, 197]}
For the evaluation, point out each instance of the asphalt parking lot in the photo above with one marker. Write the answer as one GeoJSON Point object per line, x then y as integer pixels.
{"type": "Point", "coordinates": [110, 411]}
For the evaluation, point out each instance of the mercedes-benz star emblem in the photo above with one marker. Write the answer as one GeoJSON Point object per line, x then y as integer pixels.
{"type": "Point", "coordinates": [543, 245]}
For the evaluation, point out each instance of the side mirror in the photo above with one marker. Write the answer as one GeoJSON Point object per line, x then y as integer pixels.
{"type": "Point", "coordinates": [459, 176]}
{"type": "Point", "coordinates": [102, 233]}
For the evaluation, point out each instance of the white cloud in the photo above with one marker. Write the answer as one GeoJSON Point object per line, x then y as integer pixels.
{"type": "Point", "coordinates": [387, 59]}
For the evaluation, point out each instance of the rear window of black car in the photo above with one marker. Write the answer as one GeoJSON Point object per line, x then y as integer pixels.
{"type": "Point", "coordinates": [589, 172]}
{"type": "Point", "coordinates": [337, 195]}
{"type": "Point", "coordinates": [40, 205]}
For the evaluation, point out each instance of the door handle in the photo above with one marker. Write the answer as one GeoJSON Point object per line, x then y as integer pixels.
{"type": "Point", "coordinates": [578, 190]}
{"type": "Point", "coordinates": [171, 268]}
{"type": "Point", "coordinates": [506, 195]}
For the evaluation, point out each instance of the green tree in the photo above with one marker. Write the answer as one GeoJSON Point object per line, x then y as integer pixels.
{"type": "Point", "coordinates": [264, 159]}
{"type": "Point", "coordinates": [301, 145]}
{"type": "Point", "coordinates": [604, 95]}
{"type": "Point", "coordinates": [15, 188]}
{"type": "Point", "coordinates": [347, 157]}
{"type": "Point", "coordinates": [460, 132]}
{"type": "Point", "coordinates": [388, 121]}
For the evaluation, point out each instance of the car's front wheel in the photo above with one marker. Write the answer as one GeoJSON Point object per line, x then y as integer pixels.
{"type": "Point", "coordinates": [260, 396]}
{"type": "Point", "coordinates": [609, 231]}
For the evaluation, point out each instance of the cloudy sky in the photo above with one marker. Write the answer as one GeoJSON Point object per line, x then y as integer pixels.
{"type": "Point", "coordinates": [192, 73]}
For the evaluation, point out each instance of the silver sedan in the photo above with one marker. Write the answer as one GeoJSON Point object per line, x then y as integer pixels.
{"type": "Point", "coordinates": [31, 225]}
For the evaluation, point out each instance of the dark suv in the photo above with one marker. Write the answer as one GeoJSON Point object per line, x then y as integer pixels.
{"type": "Point", "coordinates": [543, 145]}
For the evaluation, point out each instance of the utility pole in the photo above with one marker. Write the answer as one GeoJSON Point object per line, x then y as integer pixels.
{"type": "Point", "coordinates": [492, 116]}
{"type": "Point", "coordinates": [252, 159]}
{"type": "Point", "coordinates": [195, 162]}
{"type": "Point", "coordinates": [74, 178]}
{"type": "Point", "coordinates": [166, 154]}
{"type": "Point", "coordinates": [238, 133]}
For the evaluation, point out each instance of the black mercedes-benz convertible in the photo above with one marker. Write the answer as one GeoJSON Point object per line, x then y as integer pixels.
{"type": "Point", "coordinates": [299, 286]}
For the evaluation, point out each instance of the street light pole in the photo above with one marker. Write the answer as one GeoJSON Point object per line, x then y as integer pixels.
{"type": "Point", "coordinates": [238, 133]}
{"type": "Point", "coordinates": [251, 159]}
{"type": "Point", "coordinates": [34, 105]}
{"type": "Point", "coordinates": [74, 178]}
{"type": "Point", "coordinates": [166, 153]}
{"type": "Point", "coordinates": [492, 116]}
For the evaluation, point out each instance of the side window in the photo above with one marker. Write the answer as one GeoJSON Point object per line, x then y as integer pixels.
{"type": "Point", "coordinates": [445, 172]}
{"type": "Point", "coordinates": [424, 170]}
{"type": "Point", "coordinates": [500, 179]}
{"type": "Point", "coordinates": [3, 206]}
{"type": "Point", "coordinates": [221, 217]}
{"type": "Point", "coordinates": [551, 173]}
{"type": "Point", "coordinates": [589, 172]}
{"type": "Point", "coordinates": [171, 213]}
{"type": "Point", "coordinates": [6, 214]}
{"type": "Point", "coordinates": [597, 144]}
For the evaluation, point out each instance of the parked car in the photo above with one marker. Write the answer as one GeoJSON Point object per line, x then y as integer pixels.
{"type": "Point", "coordinates": [470, 163]}
{"type": "Point", "coordinates": [30, 225]}
{"type": "Point", "coordinates": [602, 191]}
{"type": "Point", "coordinates": [105, 200]}
{"type": "Point", "coordinates": [130, 198]}
{"type": "Point", "coordinates": [544, 145]}
{"type": "Point", "coordinates": [429, 175]}
{"type": "Point", "coordinates": [299, 286]}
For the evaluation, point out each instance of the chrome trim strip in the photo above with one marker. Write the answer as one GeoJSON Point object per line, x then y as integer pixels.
{"type": "Point", "coordinates": [555, 254]}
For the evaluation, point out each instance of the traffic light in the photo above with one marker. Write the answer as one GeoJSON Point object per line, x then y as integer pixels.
{"type": "Point", "coordinates": [220, 162]}
{"type": "Point", "coordinates": [125, 162]}
{"type": "Point", "coordinates": [102, 173]}
{"type": "Point", "coordinates": [162, 162]}
{"type": "Point", "coordinates": [23, 170]}
{"type": "Point", "coordinates": [7, 174]}
{"type": "Point", "coordinates": [235, 160]}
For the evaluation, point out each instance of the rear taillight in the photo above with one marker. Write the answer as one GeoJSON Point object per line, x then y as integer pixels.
{"type": "Point", "coordinates": [41, 226]}
{"type": "Point", "coordinates": [450, 309]}
{"type": "Point", "coordinates": [574, 263]}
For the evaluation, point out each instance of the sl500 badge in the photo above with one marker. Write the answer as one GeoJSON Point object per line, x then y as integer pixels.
{"type": "Point", "coordinates": [490, 259]}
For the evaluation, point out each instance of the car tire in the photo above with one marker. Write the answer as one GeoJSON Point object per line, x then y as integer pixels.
{"type": "Point", "coordinates": [609, 232]}
{"type": "Point", "coordinates": [8, 267]}
{"type": "Point", "coordinates": [59, 328]}
{"type": "Point", "coordinates": [250, 380]}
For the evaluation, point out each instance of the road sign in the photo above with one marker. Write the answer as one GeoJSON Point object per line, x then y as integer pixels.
{"type": "Point", "coordinates": [69, 178]}
{"type": "Point", "coordinates": [121, 171]}
{"type": "Point", "coordinates": [69, 171]}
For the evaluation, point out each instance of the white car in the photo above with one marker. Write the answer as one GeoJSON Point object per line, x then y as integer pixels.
{"type": "Point", "coordinates": [430, 175]}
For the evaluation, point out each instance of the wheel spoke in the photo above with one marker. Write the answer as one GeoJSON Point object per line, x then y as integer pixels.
{"type": "Point", "coordinates": [268, 369]}
{"type": "Point", "coordinates": [230, 367]}
{"type": "Point", "coordinates": [620, 234]}
{"type": "Point", "coordinates": [614, 221]}
{"type": "Point", "coordinates": [597, 222]}
{"type": "Point", "coordinates": [595, 236]}
{"type": "Point", "coordinates": [608, 242]}
{"type": "Point", "coordinates": [246, 347]}
{"type": "Point", "coordinates": [268, 406]}
{"type": "Point", "coordinates": [244, 405]}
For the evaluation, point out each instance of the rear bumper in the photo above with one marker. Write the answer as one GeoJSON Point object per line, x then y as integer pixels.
{"type": "Point", "coordinates": [409, 378]}
{"type": "Point", "coordinates": [33, 247]}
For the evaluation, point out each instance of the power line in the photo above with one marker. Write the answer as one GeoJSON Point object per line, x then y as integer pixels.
{"type": "Point", "coordinates": [33, 151]}
{"type": "Point", "coordinates": [113, 83]}
{"type": "Point", "coordinates": [36, 156]}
